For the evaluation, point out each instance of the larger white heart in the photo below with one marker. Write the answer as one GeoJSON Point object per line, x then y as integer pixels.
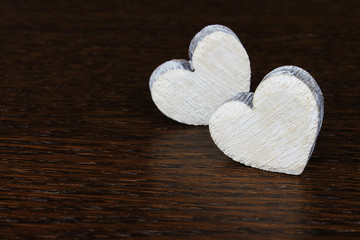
{"type": "Point", "coordinates": [190, 91]}
{"type": "Point", "coordinates": [274, 129]}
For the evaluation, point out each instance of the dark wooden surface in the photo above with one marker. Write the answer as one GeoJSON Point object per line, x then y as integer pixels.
{"type": "Point", "coordinates": [85, 154]}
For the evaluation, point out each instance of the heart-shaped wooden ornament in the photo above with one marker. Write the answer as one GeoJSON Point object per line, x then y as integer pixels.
{"type": "Point", "coordinates": [276, 127]}
{"type": "Point", "coordinates": [190, 91]}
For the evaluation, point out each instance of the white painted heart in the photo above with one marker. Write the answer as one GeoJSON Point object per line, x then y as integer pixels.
{"type": "Point", "coordinates": [190, 91]}
{"type": "Point", "coordinates": [275, 128]}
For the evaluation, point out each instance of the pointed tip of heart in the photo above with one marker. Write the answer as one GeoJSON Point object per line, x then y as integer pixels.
{"type": "Point", "coordinates": [293, 171]}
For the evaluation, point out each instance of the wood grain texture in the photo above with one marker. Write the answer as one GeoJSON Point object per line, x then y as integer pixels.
{"type": "Point", "coordinates": [85, 154]}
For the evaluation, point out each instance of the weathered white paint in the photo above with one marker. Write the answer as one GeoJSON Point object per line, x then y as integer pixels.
{"type": "Point", "coordinates": [190, 91]}
{"type": "Point", "coordinates": [276, 128]}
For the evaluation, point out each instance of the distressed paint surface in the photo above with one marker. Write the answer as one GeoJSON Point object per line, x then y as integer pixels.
{"type": "Point", "coordinates": [190, 91]}
{"type": "Point", "coordinates": [277, 130]}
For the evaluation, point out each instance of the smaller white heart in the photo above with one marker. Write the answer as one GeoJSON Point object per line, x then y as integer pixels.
{"type": "Point", "coordinates": [275, 128]}
{"type": "Point", "coordinates": [190, 91]}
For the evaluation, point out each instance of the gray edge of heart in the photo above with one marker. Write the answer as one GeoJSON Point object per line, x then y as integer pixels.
{"type": "Point", "coordinates": [182, 63]}
{"type": "Point", "coordinates": [245, 97]}
{"type": "Point", "coordinates": [299, 73]}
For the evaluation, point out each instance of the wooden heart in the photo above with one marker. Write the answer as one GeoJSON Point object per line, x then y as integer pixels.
{"type": "Point", "coordinates": [275, 128]}
{"type": "Point", "coordinates": [190, 91]}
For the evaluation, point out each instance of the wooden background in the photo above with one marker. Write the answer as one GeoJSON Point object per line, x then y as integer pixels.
{"type": "Point", "coordinates": [85, 154]}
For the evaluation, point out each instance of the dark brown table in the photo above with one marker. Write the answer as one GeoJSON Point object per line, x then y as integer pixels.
{"type": "Point", "coordinates": [85, 154]}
